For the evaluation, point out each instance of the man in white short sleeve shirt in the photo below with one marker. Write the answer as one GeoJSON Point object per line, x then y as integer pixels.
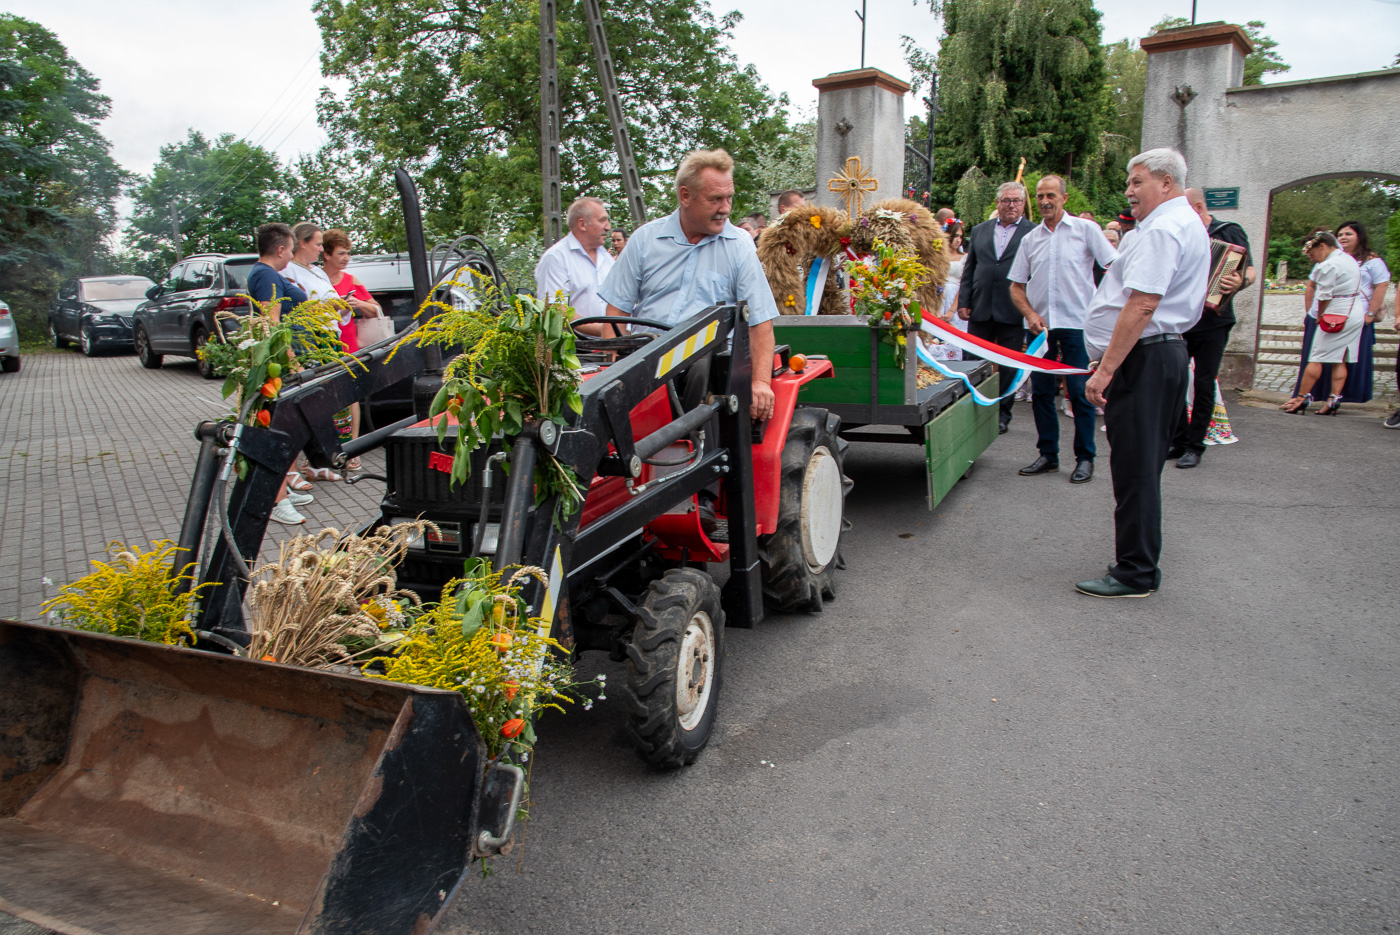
{"type": "Point", "coordinates": [1149, 297]}
{"type": "Point", "coordinates": [578, 264]}
{"type": "Point", "coordinates": [679, 265]}
{"type": "Point", "coordinates": [1052, 281]}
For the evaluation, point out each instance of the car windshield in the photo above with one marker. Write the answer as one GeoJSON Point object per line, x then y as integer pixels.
{"type": "Point", "coordinates": [237, 273]}
{"type": "Point", "coordinates": [107, 290]}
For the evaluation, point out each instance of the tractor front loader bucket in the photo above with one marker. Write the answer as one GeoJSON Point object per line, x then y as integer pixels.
{"type": "Point", "coordinates": [147, 788]}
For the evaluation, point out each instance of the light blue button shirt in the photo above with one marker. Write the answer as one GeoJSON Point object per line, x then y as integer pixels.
{"type": "Point", "coordinates": [663, 276]}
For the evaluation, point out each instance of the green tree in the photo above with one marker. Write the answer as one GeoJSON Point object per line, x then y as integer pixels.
{"type": "Point", "coordinates": [219, 191]}
{"type": "Point", "coordinates": [1297, 212]}
{"type": "Point", "coordinates": [1263, 60]}
{"type": "Point", "coordinates": [58, 182]}
{"type": "Point", "coordinates": [789, 161]}
{"type": "Point", "coordinates": [1020, 78]}
{"type": "Point", "coordinates": [451, 92]}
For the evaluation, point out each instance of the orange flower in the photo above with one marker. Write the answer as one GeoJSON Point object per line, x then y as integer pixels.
{"type": "Point", "coordinates": [502, 641]}
{"type": "Point", "coordinates": [512, 728]}
{"type": "Point", "coordinates": [791, 301]}
{"type": "Point", "coordinates": [511, 689]}
{"type": "Point", "coordinates": [817, 221]}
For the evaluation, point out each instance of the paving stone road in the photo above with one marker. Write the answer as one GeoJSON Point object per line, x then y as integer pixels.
{"type": "Point", "coordinates": [100, 450]}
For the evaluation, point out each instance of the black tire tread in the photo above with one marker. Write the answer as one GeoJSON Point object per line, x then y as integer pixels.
{"type": "Point", "coordinates": [652, 723]}
{"type": "Point", "coordinates": [150, 360]}
{"type": "Point", "coordinates": [788, 584]}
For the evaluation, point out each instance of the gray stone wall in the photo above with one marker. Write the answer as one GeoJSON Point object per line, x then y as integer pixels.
{"type": "Point", "coordinates": [1264, 139]}
{"type": "Point", "coordinates": [875, 117]}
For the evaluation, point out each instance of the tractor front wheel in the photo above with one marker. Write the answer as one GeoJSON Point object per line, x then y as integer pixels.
{"type": "Point", "coordinates": [673, 668]}
{"type": "Point", "coordinates": [798, 560]}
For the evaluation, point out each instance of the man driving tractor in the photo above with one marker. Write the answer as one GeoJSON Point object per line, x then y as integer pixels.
{"type": "Point", "coordinates": [693, 258]}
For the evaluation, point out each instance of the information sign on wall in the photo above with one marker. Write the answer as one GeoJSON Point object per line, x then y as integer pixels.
{"type": "Point", "coordinates": [1222, 199]}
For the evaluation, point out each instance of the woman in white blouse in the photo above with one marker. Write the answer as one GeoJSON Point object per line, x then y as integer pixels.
{"type": "Point", "coordinates": [1333, 288]}
{"type": "Point", "coordinates": [306, 250]}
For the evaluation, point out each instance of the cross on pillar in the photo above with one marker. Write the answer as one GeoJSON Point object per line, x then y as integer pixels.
{"type": "Point", "coordinates": [852, 185]}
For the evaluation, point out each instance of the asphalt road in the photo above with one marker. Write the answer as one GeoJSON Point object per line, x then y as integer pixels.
{"type": "Point", "coordinates": [961, 743]}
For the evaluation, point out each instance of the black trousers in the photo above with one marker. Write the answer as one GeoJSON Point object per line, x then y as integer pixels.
{"type": "Point", "coordinates": [1207, 350]}
{"type": "Point", "coordinates": [1144, 402]}
{"type": "Point", "coordinates": [1012, 337]}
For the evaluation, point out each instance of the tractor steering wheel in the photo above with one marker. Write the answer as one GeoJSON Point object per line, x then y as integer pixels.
{"type": "Point", "coordinates": [622, 343]}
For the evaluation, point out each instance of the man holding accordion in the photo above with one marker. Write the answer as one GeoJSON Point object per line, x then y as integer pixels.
{"type": "Point", "coordinates": [1206, 340]}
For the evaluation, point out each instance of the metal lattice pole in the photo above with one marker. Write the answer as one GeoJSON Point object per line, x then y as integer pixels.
{"type": "Point", "coordinates": [549, 126]}
{"type": "Point", "coordinates": [631, 182]}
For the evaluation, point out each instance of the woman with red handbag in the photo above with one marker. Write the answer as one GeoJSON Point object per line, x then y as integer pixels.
{"type": "Point", "coordinates": [1333, 287]}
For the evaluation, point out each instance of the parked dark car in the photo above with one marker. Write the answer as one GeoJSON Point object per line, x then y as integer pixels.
{"type": "Point", "coordinates": [95, 312]}
{"type": "Point", "coordinates": [182, 312]}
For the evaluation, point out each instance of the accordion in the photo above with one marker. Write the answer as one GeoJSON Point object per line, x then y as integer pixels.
{"type": "Point", "coordinates": [1225, 258]}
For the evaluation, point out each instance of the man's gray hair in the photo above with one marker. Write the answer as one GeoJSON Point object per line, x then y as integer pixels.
{"type": "Point", "coordinates": [1016, 187]}
{"type": "Point", "coordinates": [688, 173]}
{"type": "Point", "coordinates": [1064, 186]}
{"type": "Point", "coordinates": [1161, 162]}
{"type": "Point", "coordinates": [577, 208]}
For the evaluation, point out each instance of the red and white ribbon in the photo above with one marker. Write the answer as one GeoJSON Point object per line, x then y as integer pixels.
{"type": "Point", "coordinates": [1004, 357]}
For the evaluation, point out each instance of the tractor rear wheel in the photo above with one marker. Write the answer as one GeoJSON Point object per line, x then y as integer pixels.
{"type": "Point", "coordinates": [673, 668]}
{"type": "Point", "coordinates": [798, 560]}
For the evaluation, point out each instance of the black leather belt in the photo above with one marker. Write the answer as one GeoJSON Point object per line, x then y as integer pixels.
{"type": "Point", "coordinates": [1158, 339]}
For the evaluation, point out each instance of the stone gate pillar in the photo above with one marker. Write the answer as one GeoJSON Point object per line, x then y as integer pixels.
{"type": "Point", "coordinates": [1186, 107]}
{"type": "Point", "coordinates": [860, 113]}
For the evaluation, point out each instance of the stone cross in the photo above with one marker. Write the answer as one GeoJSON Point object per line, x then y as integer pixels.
{"type": "Point", "coordinates": [852, 185]}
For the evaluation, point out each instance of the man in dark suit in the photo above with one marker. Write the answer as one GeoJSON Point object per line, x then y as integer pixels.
{"type": "Point", "coordinates": [984, 296]}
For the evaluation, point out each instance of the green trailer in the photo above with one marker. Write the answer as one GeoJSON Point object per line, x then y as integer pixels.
{"type": "Point", "coordinates": [870, 393]}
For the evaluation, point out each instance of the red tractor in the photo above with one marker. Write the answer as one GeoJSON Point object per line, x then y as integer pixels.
{"type": "Point", "coordinates": [679, 481]}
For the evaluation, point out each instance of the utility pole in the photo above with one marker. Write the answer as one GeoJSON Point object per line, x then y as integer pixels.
{"type": "Point", "coordinates": [861, 16]}
{"type": "Point", "coordinates": [549, 126]}
{"type": "Point", "coordinates": [175, 230]}
{"type": "Point", "coordinates": [1193, 12]}
{"type": "Point", "coordinates": [627, 163]}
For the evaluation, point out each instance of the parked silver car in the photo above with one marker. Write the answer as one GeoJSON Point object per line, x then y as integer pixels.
{"type": "Point", "coordinates": [9, 341]}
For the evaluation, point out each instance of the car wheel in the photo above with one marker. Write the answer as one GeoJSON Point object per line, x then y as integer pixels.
{"type": "Point", "coordinates": [54, 338]}
{"type": "Point", "coordinates": [206, 369]}
{"type": "Point", "coordinates": [9, 364]}
{"type": "Point", "coordinates": [149, 358]}
{"type": "Point", "coordinates": [86, 342]}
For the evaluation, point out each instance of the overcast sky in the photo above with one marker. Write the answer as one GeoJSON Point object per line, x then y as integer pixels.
{"type": "Point", "coordinates": [250, 67]}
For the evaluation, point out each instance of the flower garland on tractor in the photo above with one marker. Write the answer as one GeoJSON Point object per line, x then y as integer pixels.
{"type": "Point", "coordinates": [893, 258]}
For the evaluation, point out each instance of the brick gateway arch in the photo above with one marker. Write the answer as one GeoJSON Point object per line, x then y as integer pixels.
{"type": "Point", "coordinates": [1262, 140]}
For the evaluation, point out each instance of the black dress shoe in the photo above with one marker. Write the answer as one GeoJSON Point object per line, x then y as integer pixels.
{"type": "Point", "coordinates": [1174, 452]}
{"type": "Point", "coordinates": [1083, 472]}
{"type": "Point", "coordinates": [1188, 459]}
{"type": "Point", "coordinates": [1003, 427]}
{"type": "Point", "coordinates": [1108, 586]}
{"type": "Point", "coordinates": [1041, 465]}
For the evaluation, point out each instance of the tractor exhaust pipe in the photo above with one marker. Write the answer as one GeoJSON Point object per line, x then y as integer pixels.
{"type": "Point", "coordinates": [426, 386]}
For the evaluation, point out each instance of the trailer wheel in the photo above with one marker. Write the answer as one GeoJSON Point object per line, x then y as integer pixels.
{"type": "Point", "coordinates": [798, 560]}
{"type": "Point", "coordinates": [673, 668]}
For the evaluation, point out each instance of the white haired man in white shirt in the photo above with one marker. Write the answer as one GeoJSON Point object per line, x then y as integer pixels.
{"type": "Point", "coordinates": [578, 264]}
{"type": "Point", "coordinates": [1149, 297]}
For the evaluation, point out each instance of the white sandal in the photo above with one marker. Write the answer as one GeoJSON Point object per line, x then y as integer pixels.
{"type": "Point", "coordinates": [323, 474]}
{"type": "Point", "coordinates": [296, 482]}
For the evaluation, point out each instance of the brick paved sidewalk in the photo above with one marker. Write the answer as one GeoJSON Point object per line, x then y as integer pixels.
{"type": "Point", "coordinates": [96, 450]}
